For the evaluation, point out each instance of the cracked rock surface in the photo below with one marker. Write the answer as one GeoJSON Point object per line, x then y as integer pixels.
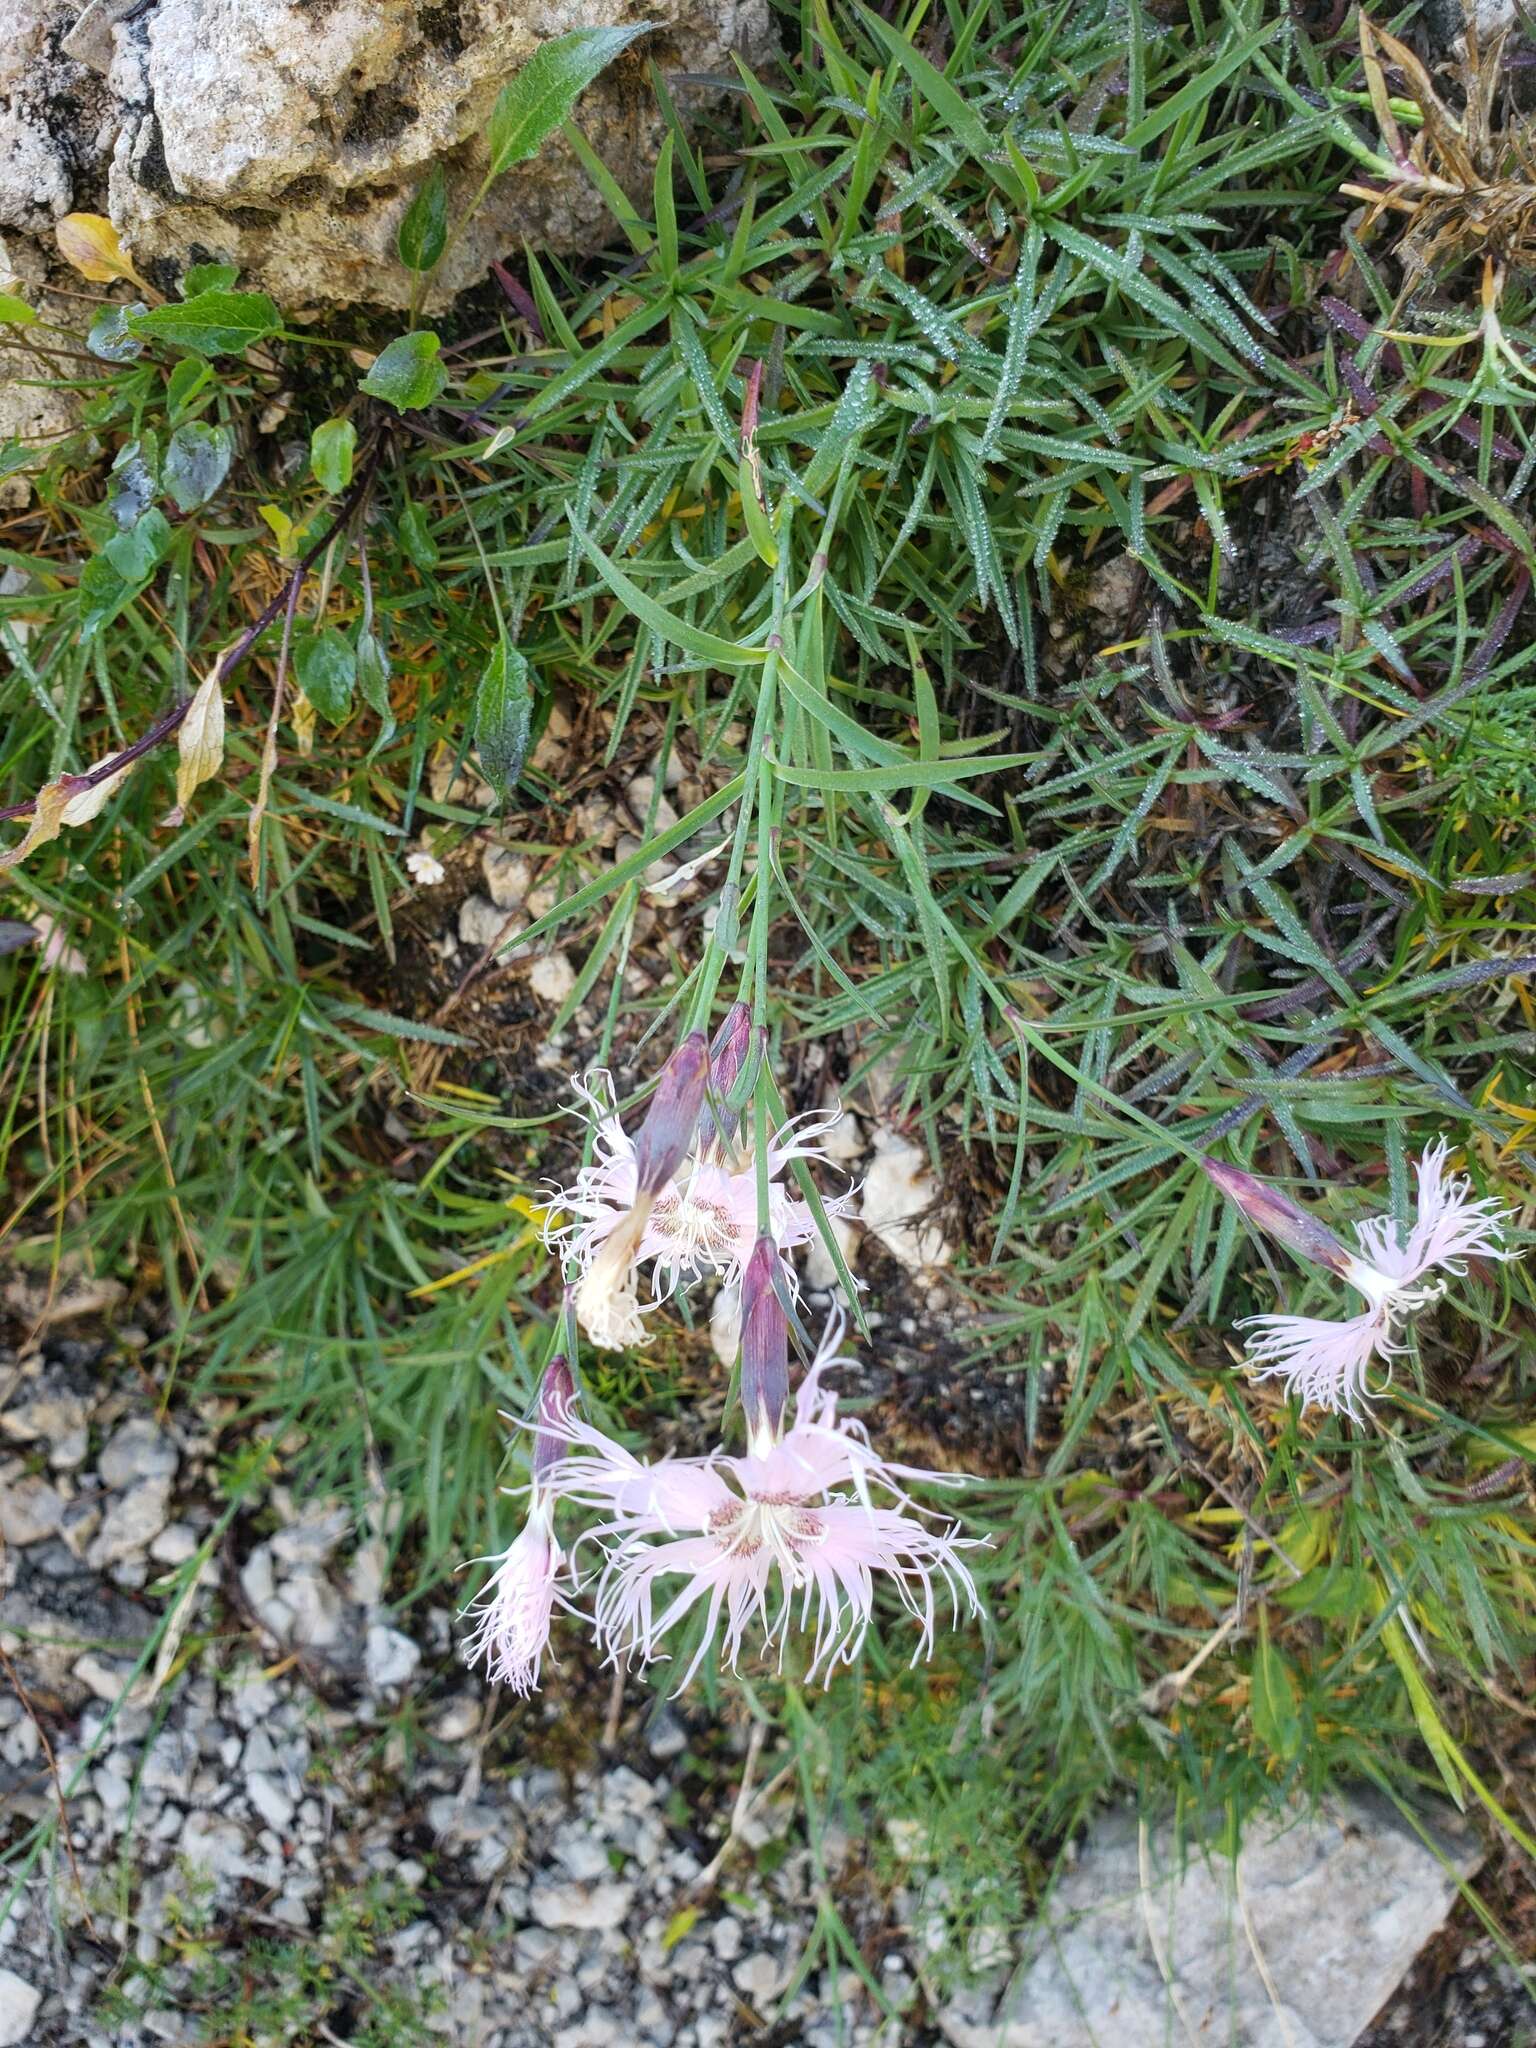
{"type": "Point", "coordinates": [289, 137]}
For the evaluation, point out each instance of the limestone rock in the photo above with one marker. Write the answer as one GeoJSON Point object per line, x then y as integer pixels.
{"type": "Point", "coordinates": [51, 1613]}
{"type": "Point", "coordinates": [581, 1906]}
{"type": "Point", "coordinates": [390, 1658]}
{"type": "Point", "coordinates": [552, 977]}
{"type": "Point", "coordinates": [34, 409]}
{"type": "Point", "coordinates": [19, 2002]}
{"type": "Point", "coordinates": [508, 876]}
{"type": "Point", "coordinates": [1337, 1906]}
{"type": "Point", "coordinates": [898, 1197]}
{"type": "Point", "coordinates": [56, 120]}
{"type": "Point", "coordinates": [289, 137]}
{"type": "Point", "coordinates": [131, 1523]}
{"type": "Point", "coordinates": [30, 1510]}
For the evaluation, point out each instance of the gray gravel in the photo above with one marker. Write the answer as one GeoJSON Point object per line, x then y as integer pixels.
{"type": "Point", "coordinates": [319, 1741]}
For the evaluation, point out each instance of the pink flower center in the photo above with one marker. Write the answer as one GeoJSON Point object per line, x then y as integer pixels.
{"type": "Point", "coordinates": [695, 1224]}
{"type": "Point", "coordinates": [779, 1523]}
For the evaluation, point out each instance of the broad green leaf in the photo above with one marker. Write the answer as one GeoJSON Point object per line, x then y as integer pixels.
{"type": "Point", "coordinates": [535, 100]}
{"type": "Point", "coordinates": [1336, 1593]}
{"type": "Point", "coordinates": [424, 230]}
{"type": "Point", "coordinates": [212, 323]}
{"type": "Point", "coordinates": [134, 553]}
{"type": "Point", "coordinates": [186, 381]}
{"type": "Point", "coordinates": [15, 312]}
{"type": "Point", "coordinates": [110, 338]}
{"type": "Point", "coordinates": [208, 277]}
{"type": "Point", "coordinates": [408, 375]}
{"type": "Point", "coordinates": [326, 668]}
{"type": "Point", "coordinates": [331, 448]}
{"type": "Point", "coordinates": [131, 491]}
{"type": "Point", "coordinates": [104, 591]}
{"type": "Point", "coordinates": [284, 531]}
{"type": "Point", "coordinates": [196, 463]}
{"type": "Point", "coordinates": [416, 537]}
{"type": "Point", "coordinates": [373, 673]}
{"type": "Point", "coordinates": [503, 716]}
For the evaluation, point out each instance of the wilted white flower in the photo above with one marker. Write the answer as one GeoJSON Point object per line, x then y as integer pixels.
{"type": "Point", "coordinates": [58, 953]}
{"type": "Point", "coordinates": [425, 869]}
{"type": "Point", "coordinates": [513, 1610]}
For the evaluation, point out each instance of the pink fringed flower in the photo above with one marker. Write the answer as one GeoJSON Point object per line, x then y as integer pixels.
{"type": "Point", "coordinates": [789, 1535]}
{"type": "Point", "coordinates": [699, 1217]}
{"type": "Point", "coordinates": [513, 1610]}
{"type": "Point", "coordinates": [1325, 1361]}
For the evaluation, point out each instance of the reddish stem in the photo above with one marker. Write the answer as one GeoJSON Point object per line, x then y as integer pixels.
{"type": "Point", "coordinates": [233, 656]}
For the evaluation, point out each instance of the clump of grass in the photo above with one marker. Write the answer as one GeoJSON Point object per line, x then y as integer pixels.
{"type": "Point", "coordinates": [1002, 473]}
{"type": "Point", "coordinates": [282, 1989]}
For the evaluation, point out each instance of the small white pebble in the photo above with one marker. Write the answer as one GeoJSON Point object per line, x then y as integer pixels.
{"type": "Point", "coordinates": [552, 977]}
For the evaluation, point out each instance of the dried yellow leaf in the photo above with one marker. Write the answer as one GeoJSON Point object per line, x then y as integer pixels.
{"type": "Point", "coordinates": [91, 802]}
{"type": "Point", "coordinates": [47, 818]}
{"type": "Point", "coordinates": [89, 241]}
{"type": "Point", "coordinates": [201, 740]}
{"type": "Point", "coordinates": [303, 721]}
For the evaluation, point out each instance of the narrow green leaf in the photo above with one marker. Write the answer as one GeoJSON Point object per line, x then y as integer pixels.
{"type": "Point", "coordinates": [396, 1027]}
{"type": "Point", "coordinates": [625, 870]}
{"type": "Point", "coordinates": [1437, 1737]}
{"type": "Point", "coordinates": [909, 775]}
{"type": "Point", "coordinates": [708, 647]}
{"type": "Point", "coordinates": [1273, 1698]}
{"type": "Point", "coordinates": [208, 277]}
{"type": "Point", "coordinates": [134, 553]}
{"type": "Point", "coordinates": [535, 100]}
{"type": "Point", "coordinates": [372, 663]}
{"type": "Point", "coordinates": [326, 667]}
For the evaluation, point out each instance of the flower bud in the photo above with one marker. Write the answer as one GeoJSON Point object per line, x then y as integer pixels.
{"type": "Point", "coordinates": [727, 1057]}
{"type": "Point", "coordinates": [764, 1348]}
{"type": "Point", "coordinates": [557, 1397]}
{"type": "Point", "coordinates": [672, 1119]}
{"type": "Point", "coordinates": [1281, 1218]}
